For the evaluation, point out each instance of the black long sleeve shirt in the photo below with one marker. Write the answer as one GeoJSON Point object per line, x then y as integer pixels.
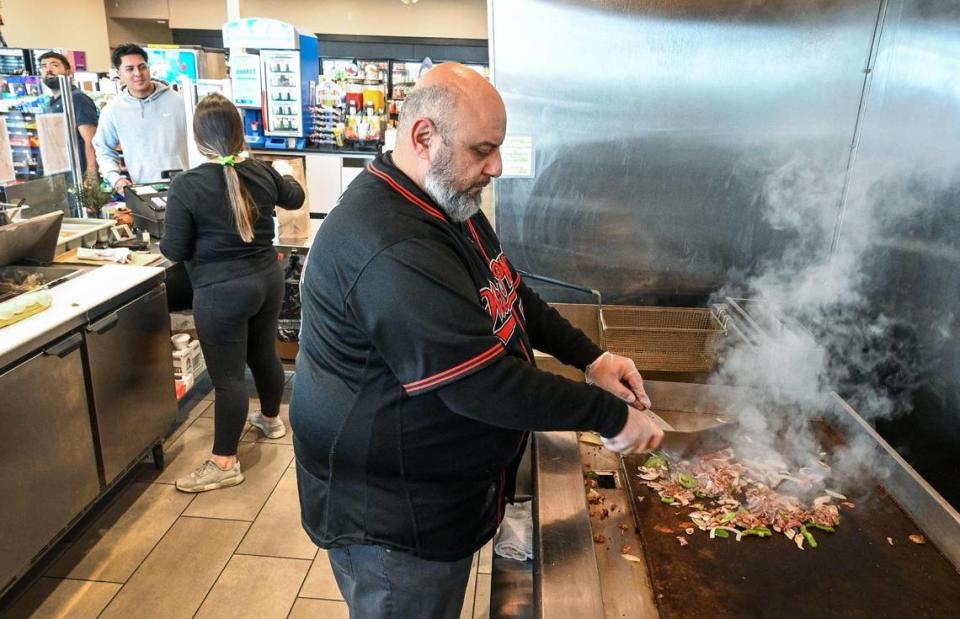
{"type": "Point", "coordinates": [199, 224]}
{"type": "Point", "coordinates": [415, 382]}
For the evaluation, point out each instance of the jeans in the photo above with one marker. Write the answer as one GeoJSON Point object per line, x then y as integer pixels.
{"type": "Point", "coordinates": [237, 327]}
{"type": "Point", "coordinates": [378, 583]}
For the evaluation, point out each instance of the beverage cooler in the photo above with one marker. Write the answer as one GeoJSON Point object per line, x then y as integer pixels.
{"type": "Point", "coordinates": [350, 104]}
{"type": "Point", "coordinates": [282, 93]}
{"type": "Point", "coordinates": [272, 79]}
{"type": "Point", "coordinates": [404, 75]}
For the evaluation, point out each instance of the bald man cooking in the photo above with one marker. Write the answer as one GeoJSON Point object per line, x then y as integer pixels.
{"type": "Point", "coordinates": [416, 384]}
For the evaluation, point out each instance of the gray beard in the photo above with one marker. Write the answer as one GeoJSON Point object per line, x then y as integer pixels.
{"type": "Point", "coordinates": [438, 183]}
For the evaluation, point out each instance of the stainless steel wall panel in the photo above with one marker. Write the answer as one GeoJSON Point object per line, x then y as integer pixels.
{"type": "Point", "coordinates": [901, 218]}
{"type": "Point", "coordinates": [656, 123]}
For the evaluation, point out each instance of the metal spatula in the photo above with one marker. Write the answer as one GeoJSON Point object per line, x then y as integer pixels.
{"type": "Point", "coordinates": [686, 433]}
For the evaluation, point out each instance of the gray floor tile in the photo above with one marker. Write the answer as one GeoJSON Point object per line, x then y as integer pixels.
{"type": "Point", "coordinates": [115, 544]}
{"type": "Point", "coordinates": [486, 558]}
{"type": "Point", "coordinates": [466, 611]}
{"type": "Point", "coordinates": [320, 583]}
{"type": "Point", "coordinates": [199, 410]}
{"type": "Point", "coordinates": [176, 577]}
{"type": "Point", "coordinates": [319, 609]}
{"type": "Point", "coordinates": [481, 606]}
{"type": "Point", "coordinates": [277, 531]}
{"type": "Point", "coordinates": [50, 598]}
{"type": "Point", "coordinates": [262, 587]}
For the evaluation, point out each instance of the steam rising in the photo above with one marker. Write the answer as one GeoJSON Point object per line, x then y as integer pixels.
{"type": "Point", "coordinates": [815, 331]}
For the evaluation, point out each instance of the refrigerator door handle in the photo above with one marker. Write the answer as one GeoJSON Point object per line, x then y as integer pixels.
{"type": "Point", "coordinates": [104, 324]}
{"type": "Point", "coordinates": [65, 347]}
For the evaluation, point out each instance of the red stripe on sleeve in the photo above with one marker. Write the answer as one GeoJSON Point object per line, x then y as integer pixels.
{"type": "Point", "coordinates": [447, 375]}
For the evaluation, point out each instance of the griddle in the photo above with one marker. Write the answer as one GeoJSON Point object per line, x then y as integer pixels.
{"type": "Point", "coordinates": [854, 572]}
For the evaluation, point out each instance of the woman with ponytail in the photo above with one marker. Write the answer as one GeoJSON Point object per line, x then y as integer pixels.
{"type": "Point", "coordinates": [219, 222]}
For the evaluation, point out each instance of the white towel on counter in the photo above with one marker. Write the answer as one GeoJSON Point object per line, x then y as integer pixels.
{"type": "Point", "coordinates": [515, 539]}
{"type": "Point", "coordinates": [118, 254]}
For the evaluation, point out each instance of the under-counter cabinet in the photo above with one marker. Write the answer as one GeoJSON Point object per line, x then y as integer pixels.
{"type": "Point", "coordinates": [131, 380]}
{"type": "Point", "coordinates": [78, 412]}
{"type": "Point", "coordinates": [48, 465]}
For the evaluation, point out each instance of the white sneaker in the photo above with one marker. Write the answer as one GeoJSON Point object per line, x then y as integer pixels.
{"type": "Point", "coordinates": [209, 476]}
{"type": "Point", "coordinates": [272, 427]}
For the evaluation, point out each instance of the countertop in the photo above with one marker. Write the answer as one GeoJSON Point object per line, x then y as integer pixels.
{"type": "Point", "coordinates": [73, 300]}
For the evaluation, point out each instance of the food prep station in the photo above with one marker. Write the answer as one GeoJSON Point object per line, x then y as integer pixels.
{"type": "Point", "coordinates": [721, 138]}
{"type": "Point", "coordinates": [87, 383]}
{"type": "Point", "coordinates": [647, 179]}
{"type": "Point", "coordinates": [579, 568]}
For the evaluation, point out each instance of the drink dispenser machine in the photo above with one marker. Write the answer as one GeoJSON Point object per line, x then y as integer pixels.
{"type": "Point", "coordinates": [273, 69]}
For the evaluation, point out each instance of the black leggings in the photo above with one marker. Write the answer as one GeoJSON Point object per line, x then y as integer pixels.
{"type": "Point", "coordinates": [237, 327]}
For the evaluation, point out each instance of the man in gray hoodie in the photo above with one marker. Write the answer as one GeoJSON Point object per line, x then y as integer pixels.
{"type": "Point", "coordinates": [147, 120]}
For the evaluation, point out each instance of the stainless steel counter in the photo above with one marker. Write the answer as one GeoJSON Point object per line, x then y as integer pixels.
{"type": "Point", "coordinates": [566, 577]}
{"type": "Point", "coordinates": [511, 589]}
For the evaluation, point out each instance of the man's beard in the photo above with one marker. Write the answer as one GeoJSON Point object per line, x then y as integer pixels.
{"type": "Point", "coordinates": [440, 184]}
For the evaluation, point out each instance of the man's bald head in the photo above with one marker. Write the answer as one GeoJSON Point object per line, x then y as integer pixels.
{"type": "Point", "coordinates": [448, 95]}
{"type": "Point", "coordinates": [448, 139]}
{"type": "Point", "coordinates": [435, 103]}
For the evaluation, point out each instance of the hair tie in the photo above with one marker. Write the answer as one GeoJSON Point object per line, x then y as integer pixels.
{"type": "Point", "coordinates": [229, 160]}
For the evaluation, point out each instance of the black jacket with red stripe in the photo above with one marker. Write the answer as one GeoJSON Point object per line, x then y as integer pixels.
{"type": "Point", "coordinates": [415, 383]}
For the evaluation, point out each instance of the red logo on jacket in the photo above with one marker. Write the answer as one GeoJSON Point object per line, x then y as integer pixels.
{"type": "Point", "coordinates": [498, 299]}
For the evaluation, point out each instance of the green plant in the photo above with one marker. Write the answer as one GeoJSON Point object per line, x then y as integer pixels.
{"type": "Point", "coordinates": [94, 196]}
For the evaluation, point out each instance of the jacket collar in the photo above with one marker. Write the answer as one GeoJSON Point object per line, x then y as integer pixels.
{"type": "Point", "coordinates": [158, 89]}
{"type": "Point", "coordinates": [384, 169]}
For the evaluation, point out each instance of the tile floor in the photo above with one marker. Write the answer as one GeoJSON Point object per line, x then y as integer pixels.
{"type": "Point", "coordinates": [235, 552]}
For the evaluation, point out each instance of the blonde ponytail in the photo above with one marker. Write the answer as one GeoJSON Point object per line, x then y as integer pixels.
{"type": "Point", "coordinates": [241, 205]}
{"type": "Point", "coordinates": [218, 132]}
